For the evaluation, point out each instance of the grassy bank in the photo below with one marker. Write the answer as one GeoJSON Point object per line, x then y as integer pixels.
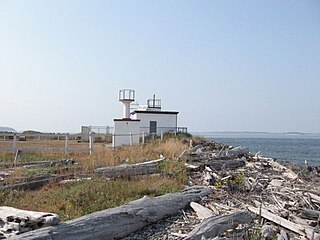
{"type": "Point", "coordinates": [76, 199]}
{"type": "Point", "coordinates": [87, 196]}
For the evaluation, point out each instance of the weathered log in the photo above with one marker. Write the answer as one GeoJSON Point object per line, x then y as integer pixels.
{"type": "Point", "coordinates": [297, 228]}
{"type": "Point", "coordinates": [216, 164]}
{"type": "Point", "coordinates": [225, 164]}
{"type": "Point", "coordinates": [35, 184]}
{"type": "Point", "coordinates": [310, 214]}
{"type": "Point", "coordinates": [37, 164]}
{"type": "Point", "coordinates": [130, 170]}
{"type": "Point", "coordinates": [119, 222]}
{"type": "Point", "coordinates": [127, 170]}
{"type": "Point", "coordinates": [216, 225]}
{"type": "Point", "coordinates": [237, 152]}
{"type": "Point", "coordinates": [46, 163]}
{"type": "Point", "coordinates": [16, 221]}
{"type": "Point", "coordinates": [315, 198]}
{"type": "Point", "coordinates": [288, 173]}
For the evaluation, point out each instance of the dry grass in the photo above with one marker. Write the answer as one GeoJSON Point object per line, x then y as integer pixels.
{"type": "Point", "coordinates": [52, 149]}
{"type": "Point", "coordinates": [77, 199]}
{"type": "Point", "coordinates": [81, 198]}
{"type": "Point", "coordinates": [102, 156]}
{"type": "Point", "coordinates": [49, 144]}
{"type": "Point", "coordinates": [171, 149]}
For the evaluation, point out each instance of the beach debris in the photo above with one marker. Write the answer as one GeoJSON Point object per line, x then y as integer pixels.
{"type": "Point", "coordinates": [35, 184]}
{"type": "Point", "coordinates": [213, 226]}
{"type": "Point", "coordinates": [15, 221]}
{"type": "Point", "coordinates": [251, 195]}
{"type": "Point", "coordinates": [116, 223]}
{"type": "Point", "coordinates": [130, 170]}
{"type": "Point", "coordinates": [201, 211]}
{"type": "Point", "coordinates": [284, 199]}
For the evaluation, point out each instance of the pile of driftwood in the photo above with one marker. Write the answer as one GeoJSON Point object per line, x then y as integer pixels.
{"type": "Point", "coordinates": [114, 223]}
{"type": "Point", "coordinates": [42, 178]}
{"type": "Point", "coordinates": [15, 221]}
{"type": "Point", "coordinates": [284, 199]}
{"type": "Point", "coordinates": [239, 195]}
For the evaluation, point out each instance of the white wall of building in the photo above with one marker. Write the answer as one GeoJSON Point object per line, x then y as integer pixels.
{"type": "Point", "coordinates": [165, 122]}
{"type": "Point", "coordinates": [122, 130]}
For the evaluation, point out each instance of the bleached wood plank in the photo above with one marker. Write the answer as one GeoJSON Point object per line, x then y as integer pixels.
{"type": "Point", "coordinates": [297, 228]}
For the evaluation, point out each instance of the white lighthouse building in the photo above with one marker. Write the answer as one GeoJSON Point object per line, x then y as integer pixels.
{"type": "Point", "coordinates": [144, 120]}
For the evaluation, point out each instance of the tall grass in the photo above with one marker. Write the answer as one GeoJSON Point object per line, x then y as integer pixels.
{"type": "Point", "coordinates": [80, 198]}
{"type": "Point", "coordinates": [170, 149]}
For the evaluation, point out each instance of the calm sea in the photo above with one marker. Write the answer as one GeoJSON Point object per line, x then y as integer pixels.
{"type": "Point", "coordinates": [291, 148]}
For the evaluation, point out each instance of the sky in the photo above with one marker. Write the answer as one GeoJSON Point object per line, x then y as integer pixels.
{"type": "Point", "coordinates": [224, 65]}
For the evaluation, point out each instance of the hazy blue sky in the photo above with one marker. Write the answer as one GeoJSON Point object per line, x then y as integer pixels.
{"type": "Point", "coordinates": [225, 65]}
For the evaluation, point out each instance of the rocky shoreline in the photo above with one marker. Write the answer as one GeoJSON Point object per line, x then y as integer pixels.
{"type": "Point", "coordinates": [288, 192]}
{"type": "Point", "coordinates": [252, 197]}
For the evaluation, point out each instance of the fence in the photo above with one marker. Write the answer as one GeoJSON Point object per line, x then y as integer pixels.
{"type": "Point", "coordinates": [56, 142]}
{"type": "Point", "coordinates": [66, 142]}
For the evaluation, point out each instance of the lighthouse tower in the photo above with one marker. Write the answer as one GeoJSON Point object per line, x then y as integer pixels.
{"type": "Point", "coordinates": [126, 96]}
{"type": "Point", "coordinates": [126, 130]}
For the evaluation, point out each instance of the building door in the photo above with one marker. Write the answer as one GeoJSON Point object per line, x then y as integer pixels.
{"type": "Point", "coordinates": [153, 127]}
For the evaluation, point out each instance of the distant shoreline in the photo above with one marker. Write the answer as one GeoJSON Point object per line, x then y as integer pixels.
{"type": "Point", "coordinates": [230, 134]}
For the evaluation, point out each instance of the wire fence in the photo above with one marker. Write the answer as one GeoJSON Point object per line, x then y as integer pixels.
{"type": "Point", "coordinates": [67, 142]}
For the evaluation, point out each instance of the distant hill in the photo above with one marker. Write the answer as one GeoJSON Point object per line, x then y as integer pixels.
{"type": "Point", "coordinates": [7, 129]}
{"type": "Point", "coordinates": [31, 132]}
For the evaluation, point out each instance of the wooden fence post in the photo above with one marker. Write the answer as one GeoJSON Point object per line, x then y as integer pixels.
{"type": "Point", "coordinates": [91, 142]}
{"type": "Point", "coordinates": [16, 158]}
{"type": "Point", "coordinates": [66, 143]}
{"type": "Point", "coordinates": [113, 140]}
{"type": "Point", "coordinates": [130, 140]}
{"type": "Point", "coordinates": [143, 138]}
{"type": "Point", "coordinates": [14, 143]}
{"type": "Point", "coordinates": [161, 134]}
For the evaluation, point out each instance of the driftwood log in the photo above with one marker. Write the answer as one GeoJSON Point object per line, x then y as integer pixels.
{"type": "Point", "coordinates": [36, 183]}
{"type": "Point", "coordinates": [216, 164]}
{"type": "Point", "coordinates": [119, 222]}
{"type": "Point", "coordinates": [47, 163]}
{"type": "Point", "coordinates": [294, 227]}
{"type": "Point", "coordinates": [213, 226]}
{"type": "Point", "coordinates": [225, 164]}
{"type": "Point", "coordinates": [130, 170]}
{"type": "Point", "coordinates": [15, 221]}
{"type": "Point", "coordinates": [237, 152]}
{"type": "Point", "coordinates": [310, 214]}
{"type": "Point", "coordinates": [65, 162]}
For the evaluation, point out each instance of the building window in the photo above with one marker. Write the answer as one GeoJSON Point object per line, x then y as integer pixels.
{"type": "Point", "coordinates": [153, 126]}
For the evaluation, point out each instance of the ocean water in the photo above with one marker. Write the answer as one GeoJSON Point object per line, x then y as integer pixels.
{"type": "Point", "coordinates": [295, 149]}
